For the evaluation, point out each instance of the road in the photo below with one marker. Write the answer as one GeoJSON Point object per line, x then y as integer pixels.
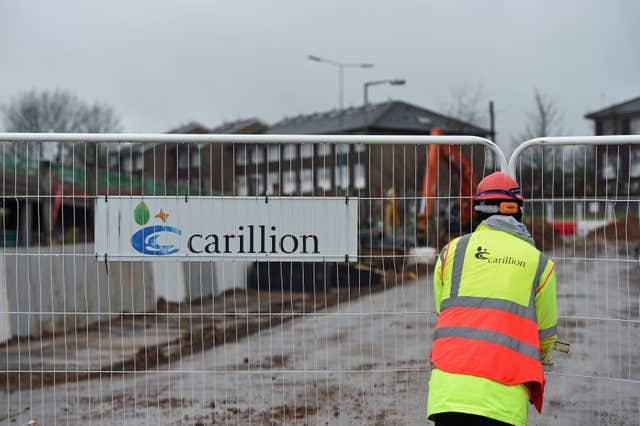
{"type": "Point", "coordinates": [365, 362]}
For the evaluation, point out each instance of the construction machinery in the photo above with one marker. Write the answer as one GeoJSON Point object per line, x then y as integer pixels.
{"type": "Point", "coordinates": [453, 216]}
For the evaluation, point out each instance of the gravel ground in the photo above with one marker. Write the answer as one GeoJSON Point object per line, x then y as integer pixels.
{"type": "Point", "coordinates": [365, 362]}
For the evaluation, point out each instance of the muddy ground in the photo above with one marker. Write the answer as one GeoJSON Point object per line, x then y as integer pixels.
{"type": "Point", "coordinates": [364, 361]}
{"type": "Point", "coordinates": [138, 342]}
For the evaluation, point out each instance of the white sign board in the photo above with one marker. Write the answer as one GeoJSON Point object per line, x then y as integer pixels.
{"type": "Point", "coordinates": [205, 228]}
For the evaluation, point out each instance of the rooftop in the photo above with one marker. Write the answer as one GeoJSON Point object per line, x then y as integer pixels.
{"type": "Point", "coordinates": [395, 116]}
{"type": "Point", "coordinates": [628, 107]}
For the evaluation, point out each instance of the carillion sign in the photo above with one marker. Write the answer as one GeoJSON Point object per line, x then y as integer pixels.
{"type": "Point", "coordinates": [204, 228]}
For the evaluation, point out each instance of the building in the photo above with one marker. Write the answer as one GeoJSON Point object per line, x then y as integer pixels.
{"type": "Point", "coordinates": [618, 166]}
{"type": "Point", "coordinates": [219, 159]}
{"type": "Point", "coordinates": [361, 170]}
{"type": "Point", "coordinates": [226, 169]}
{"type": "Point", "coordinates": [183, 169]}
{"type": "Point", "coordinates": [372, 173]}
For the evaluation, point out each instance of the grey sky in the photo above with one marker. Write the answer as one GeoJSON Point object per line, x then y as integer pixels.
{"type": "Point", "coordinates": [162, 63]}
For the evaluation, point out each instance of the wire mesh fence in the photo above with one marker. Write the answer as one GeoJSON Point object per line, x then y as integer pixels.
{"type": "Point", "coordinates": [94, 340]}
{"type": "Point", "coordinates": [583, 207]}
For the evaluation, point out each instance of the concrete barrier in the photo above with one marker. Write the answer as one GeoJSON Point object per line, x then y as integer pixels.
{"type": "Point", "coordinates": [50, 289]}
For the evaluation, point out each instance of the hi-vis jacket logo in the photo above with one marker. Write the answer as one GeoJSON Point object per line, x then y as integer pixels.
{"type": "Point", "coordinates": [146, 239]}
{"type": "Point", "coordinates": [483, 254]}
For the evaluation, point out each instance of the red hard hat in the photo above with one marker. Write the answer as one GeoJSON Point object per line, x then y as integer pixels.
{"type": "Point", "coordinates": [498, 186]}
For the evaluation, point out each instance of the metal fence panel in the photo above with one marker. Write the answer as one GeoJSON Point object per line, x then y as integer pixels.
{"type": "Point", "coordinates": [583, 205]}
{"type": "Point", "coordinates": [241, 342]}
{"type": "Point", "coordinates": [234, 341]}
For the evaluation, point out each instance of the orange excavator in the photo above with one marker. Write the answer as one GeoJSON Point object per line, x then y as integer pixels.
{"type": "Point", "coordinates": [467, 183]}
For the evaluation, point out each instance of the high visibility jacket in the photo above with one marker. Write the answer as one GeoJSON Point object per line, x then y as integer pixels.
{"type": "Point", "coordinates": [489, 302]}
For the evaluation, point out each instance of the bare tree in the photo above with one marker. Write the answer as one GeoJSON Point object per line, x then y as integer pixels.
{"type": "Point", "coordinates": [544, 120]}
{"type": "Point", "coordinates": [469, 104]}
{"type": "Point", "coordinates": [57, 111]}
{"type": "Point", "coordinates": [60, 111]}
{"type": "Point", "coordinates": [100, 118]}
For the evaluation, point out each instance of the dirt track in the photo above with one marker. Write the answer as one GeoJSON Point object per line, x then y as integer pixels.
{"type": "Point", "coordinates": [365, 362]}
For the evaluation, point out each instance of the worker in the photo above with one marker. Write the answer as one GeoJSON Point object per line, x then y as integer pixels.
{"type": "Point", "coordinates": [495, 295]}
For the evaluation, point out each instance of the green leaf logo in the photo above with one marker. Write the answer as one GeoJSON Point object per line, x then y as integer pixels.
{"type": "Point", "coordinates": [141, 214]}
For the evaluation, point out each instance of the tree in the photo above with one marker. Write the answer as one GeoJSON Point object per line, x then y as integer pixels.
{"type": "Point", "coordinates": [469, 104]}
{"type": "Point", "coordinates": [57, 111]}
{"type": "Point", "coordinates": [544, 120]}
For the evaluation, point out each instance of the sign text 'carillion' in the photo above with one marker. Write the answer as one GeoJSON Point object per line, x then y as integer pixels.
{"type": "Point", "coordinates": [203, 228]}
{"type": "Point", "coordinates": [254, 239]}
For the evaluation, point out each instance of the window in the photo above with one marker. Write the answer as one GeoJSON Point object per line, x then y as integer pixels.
{"type": "Point", "coordinates": [289, 182]}
{"type": "Point", "coordinates": [360, 147]}
{"type": "Point", "coordinates": [258, 183]}
{"type": "Point", "coordinates": [608, 127]}
{"type": "Point", "coordinates": [289, 152]}
{"type": "Point", "coordinates": [342, 177]}
{"type": "Point", "coordinates": [342, 148]}
{"type": "Point", "coordinates": [324, 178]}
{"type": "Point", "coordinates": [306, 180]}
{"type": "Point", "coordinates": [195, 158]}
{"type": "Point", "coordinates": [257, 154]}
{"type": "Point", "coordinates": [241, 156]}
{"type": "Point", "coordinates": [241, 185]}
{"type": "Point", "coordinates": [610, 167]}
{"type": "Point", "coordinates": [126, 163]}
{"type": "Point", "coordinates": [68, 156]}
{"type": "Point", "coordinates": [324, 149]}
{"type": "Point", "coordinates": [274, 152]}
{"type": "Point", "coordinates": [183, 158]}
{"type": "Point", "coordinates": [635, 126]}
{"type": "Point", "coordinates": [274, 183]}
{"type": "Point", "coordinates": [306, 151]}
{"type": "Point", "coordinates": [359, 178]}
{"type": "Point", "coordinates": [634, 162]}
{"type": "Point", "coordinates": [138, 163]}
{"type": "Point", "coordinates": [49, 151]}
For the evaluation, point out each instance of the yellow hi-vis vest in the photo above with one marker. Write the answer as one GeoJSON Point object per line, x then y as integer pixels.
{"type": "Point", "coordinates": [488, 325]}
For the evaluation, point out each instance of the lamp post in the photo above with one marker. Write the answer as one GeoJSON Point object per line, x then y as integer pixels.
{"type": "Point", "coordinates": [391, 82]}
{"type": "Point", "coordinates": [341, 66]}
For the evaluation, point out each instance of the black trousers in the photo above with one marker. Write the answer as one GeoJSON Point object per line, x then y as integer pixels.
{"type": "Point", "coordinates": [464, 419]}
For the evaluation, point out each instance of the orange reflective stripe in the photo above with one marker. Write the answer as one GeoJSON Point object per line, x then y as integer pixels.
{"type": "Point", "coordinates": [494, 361]}
{"type": "Point", "coordinates": [507, 323]}
{"type": "Point", "coordinates": [492, 337]}
{"type": "Point", "coordinates": [553, 266]}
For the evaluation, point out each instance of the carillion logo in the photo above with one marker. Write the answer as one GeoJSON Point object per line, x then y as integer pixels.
{"type": "Point", "coordinates": [161, 239]}
{"type": "Point", "coordinates": [145, 240]}
{"type": "Point", "coordinates": [483, 254]}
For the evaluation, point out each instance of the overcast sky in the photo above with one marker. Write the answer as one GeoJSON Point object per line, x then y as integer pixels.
{"type": "Point", "coordinates": [164, 63]}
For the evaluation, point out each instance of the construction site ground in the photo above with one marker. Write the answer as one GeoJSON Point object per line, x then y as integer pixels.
{"type": "Point", "coordinates": [306, 359]}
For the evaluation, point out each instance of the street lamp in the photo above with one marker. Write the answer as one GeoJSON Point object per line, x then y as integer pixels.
{"type": "Point", "coordinates": [391, 82]}
{"type": "Point", "coordinates": [341, 66]}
